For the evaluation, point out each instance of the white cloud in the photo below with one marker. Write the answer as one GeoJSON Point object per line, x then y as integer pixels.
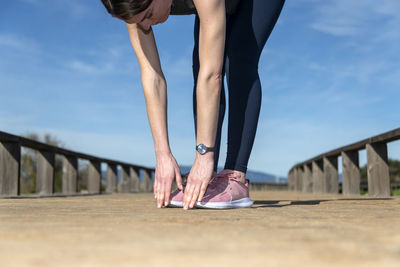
{"type": "Point", "coordinates": [18, 43]}
{"type": "Point", "coordinates": [105, 59]}
{"type": "Point", "coordinates": [81, 66]}
{"type": "Point", "coordinates": [356, 17]}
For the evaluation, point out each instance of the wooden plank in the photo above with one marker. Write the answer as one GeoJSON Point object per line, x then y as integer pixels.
{"type": "Point", "coordinates": [307, 179]}
{"type": "Point", "coordinates": [10, 158]}
{"type": "Point", "coordinates": [135, 181]}
{"type": "Point", "coordinates": [318, 176]}
{"type": "Point", "coordinates": [45, 173]}
{"type": "Point", "coordinates": [378, 170]}
{"type": "Point", "coordinates": [331, 175]}
{"type": "Point", "coordinates": [94, 177]}
{"type": "Point", "coordinates": [111, 179]}
{"type": "Point", "coordinates": [350, 173]}
{"type": "Point", "coordinates": [147, 181]}
{"type": "Point", "coordinates": [125, 180]}
{"type": "Point", "coordinates": [69, 175]}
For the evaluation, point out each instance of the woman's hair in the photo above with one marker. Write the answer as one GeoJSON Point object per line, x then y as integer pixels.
{"type": "Point", "coordinates": [125, 9]}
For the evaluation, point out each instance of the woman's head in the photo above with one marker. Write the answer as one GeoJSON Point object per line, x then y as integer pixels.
{"type": "Point", "coordinates": [143, 12]}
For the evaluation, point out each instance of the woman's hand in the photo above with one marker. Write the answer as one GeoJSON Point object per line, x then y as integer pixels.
{"type": "Point", "coordinates": [199, 177]}
{"type": "Point", "coordinates": [166, 171]}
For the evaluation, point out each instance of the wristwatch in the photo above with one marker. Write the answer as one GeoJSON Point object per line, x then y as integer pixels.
{"type": "Point", "coordinates": [203, 149]}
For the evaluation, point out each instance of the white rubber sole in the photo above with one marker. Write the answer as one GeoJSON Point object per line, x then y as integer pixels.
{"type": "Point", "coordinates": [236, 204]}
{"type": "Point", "coordinates": [177, 204]}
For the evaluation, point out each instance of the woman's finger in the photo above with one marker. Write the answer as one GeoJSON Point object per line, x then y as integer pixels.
{"type": "Point", "coordinates": [186, 193]}
{"type": "Point", "coordinates": [167, 193]}
{"type": "Point", "coordinates": [155, 188]}
{"type": "Point", "coordinates": [202, 191]}
{"type": "Point", "coordinates": [158, 194]}
{"type": "Point", "coordinates": [161, 200]}
{"type": "Point", "coordinates": [195, 195]}
{"type": "Point", "coordinates": [178, 178]}
{"type": "Point", "coordinates": [188, 196]}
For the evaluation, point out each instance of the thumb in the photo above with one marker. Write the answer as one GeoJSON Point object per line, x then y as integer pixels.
{"type": "Point", "coordinates": [178, 178]}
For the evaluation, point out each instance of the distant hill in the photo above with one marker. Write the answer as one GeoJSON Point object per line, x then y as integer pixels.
{"type": "Point", "coordinates": [254, 176]}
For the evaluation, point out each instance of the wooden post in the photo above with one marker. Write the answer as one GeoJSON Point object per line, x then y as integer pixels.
{"type": "Point", "coordinates": [350, 173]}
{"type": "Point", "coordinates": [111, 179]}
{"type": "Point", "coordinates": [94, 177]}
{"type": "Point", "coordinates": [307, 179]}
{"type": "Point", "coordinates": [295, 183]}
{"type": "Point", "coordinates": [331, 175]}
{"type": "Point", "coordinates": [147, 182]}
{"type": "Point", "coordinates": [45, 173]}
{"type": "Point", "coordinates": [318, 176]}
{"type": "Point", "coordinates": [69, 175]}
{"type": "Point", "coordinates": [291, 180]}
{"type": "Point", "coordinates": [378, 170]}
{"type": "Point", "coordinates": [125, 180]}
{"type": "Point", "coordinates": [135, 181]}
{"type": "Point", "coordinates": [299, 179]}
{"type": "Point", "coordinates": [10, 158]}
{"type": "Point", "coordinates": [130, 182]}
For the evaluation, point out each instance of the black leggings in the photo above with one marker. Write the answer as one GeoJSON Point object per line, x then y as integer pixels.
{"type": "Point", "coordinates": [246, 34]}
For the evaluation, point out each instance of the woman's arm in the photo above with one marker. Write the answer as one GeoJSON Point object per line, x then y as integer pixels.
{"type": "Point", "coordinates": [211, 52]}
{"type": "Point", "coordinates": [154, 84]}
{"type": "Point", "coordinates": [155, 92]}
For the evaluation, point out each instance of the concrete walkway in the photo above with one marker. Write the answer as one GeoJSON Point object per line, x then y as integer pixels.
{"type": "Point", "coordinates": [282, 229]}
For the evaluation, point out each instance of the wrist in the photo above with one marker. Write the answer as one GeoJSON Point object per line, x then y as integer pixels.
{"type": "Point", "coordinates": [209, 156]}
{"type": "Point", "coordinates": [163, 153]}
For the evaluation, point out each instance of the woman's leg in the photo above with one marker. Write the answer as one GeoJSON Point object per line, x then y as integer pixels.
{"type": "Point", "coordinates": [249, 30]}
{"type": "Point", "coordinates": [196, 67]}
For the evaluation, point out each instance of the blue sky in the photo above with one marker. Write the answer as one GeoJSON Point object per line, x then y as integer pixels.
{"type": "Point", "coordinates": [330, 74]}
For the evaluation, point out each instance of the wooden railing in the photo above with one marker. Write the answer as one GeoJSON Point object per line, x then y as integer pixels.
{"type": "Point", "coordinates": [10, 161]}
{"type": "Point", "coordinates": [320, 174]}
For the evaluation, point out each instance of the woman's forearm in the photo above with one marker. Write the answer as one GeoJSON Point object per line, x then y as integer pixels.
{"type": "Point", "coordinates": [155, 92]}
{"type": "Point", "coordinates": [154, 85]}
{"type": "Point", "coordinates": [208, 95]}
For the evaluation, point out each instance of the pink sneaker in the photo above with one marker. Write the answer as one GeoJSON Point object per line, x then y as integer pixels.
{"type": "Point", "coordinates": [225, 192]}
{"type": "Point", "coordinates": [176, 198]}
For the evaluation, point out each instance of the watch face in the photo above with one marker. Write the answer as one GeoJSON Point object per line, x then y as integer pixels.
{"type": "Point", "coordinates": [202, 149]}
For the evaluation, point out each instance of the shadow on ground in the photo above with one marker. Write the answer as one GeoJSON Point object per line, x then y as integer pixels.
{"type": "Point", "coordinates": [275, 203]}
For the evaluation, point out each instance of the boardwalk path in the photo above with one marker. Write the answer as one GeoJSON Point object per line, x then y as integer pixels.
{"type": "Point", "coordinates": [283, 229]}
